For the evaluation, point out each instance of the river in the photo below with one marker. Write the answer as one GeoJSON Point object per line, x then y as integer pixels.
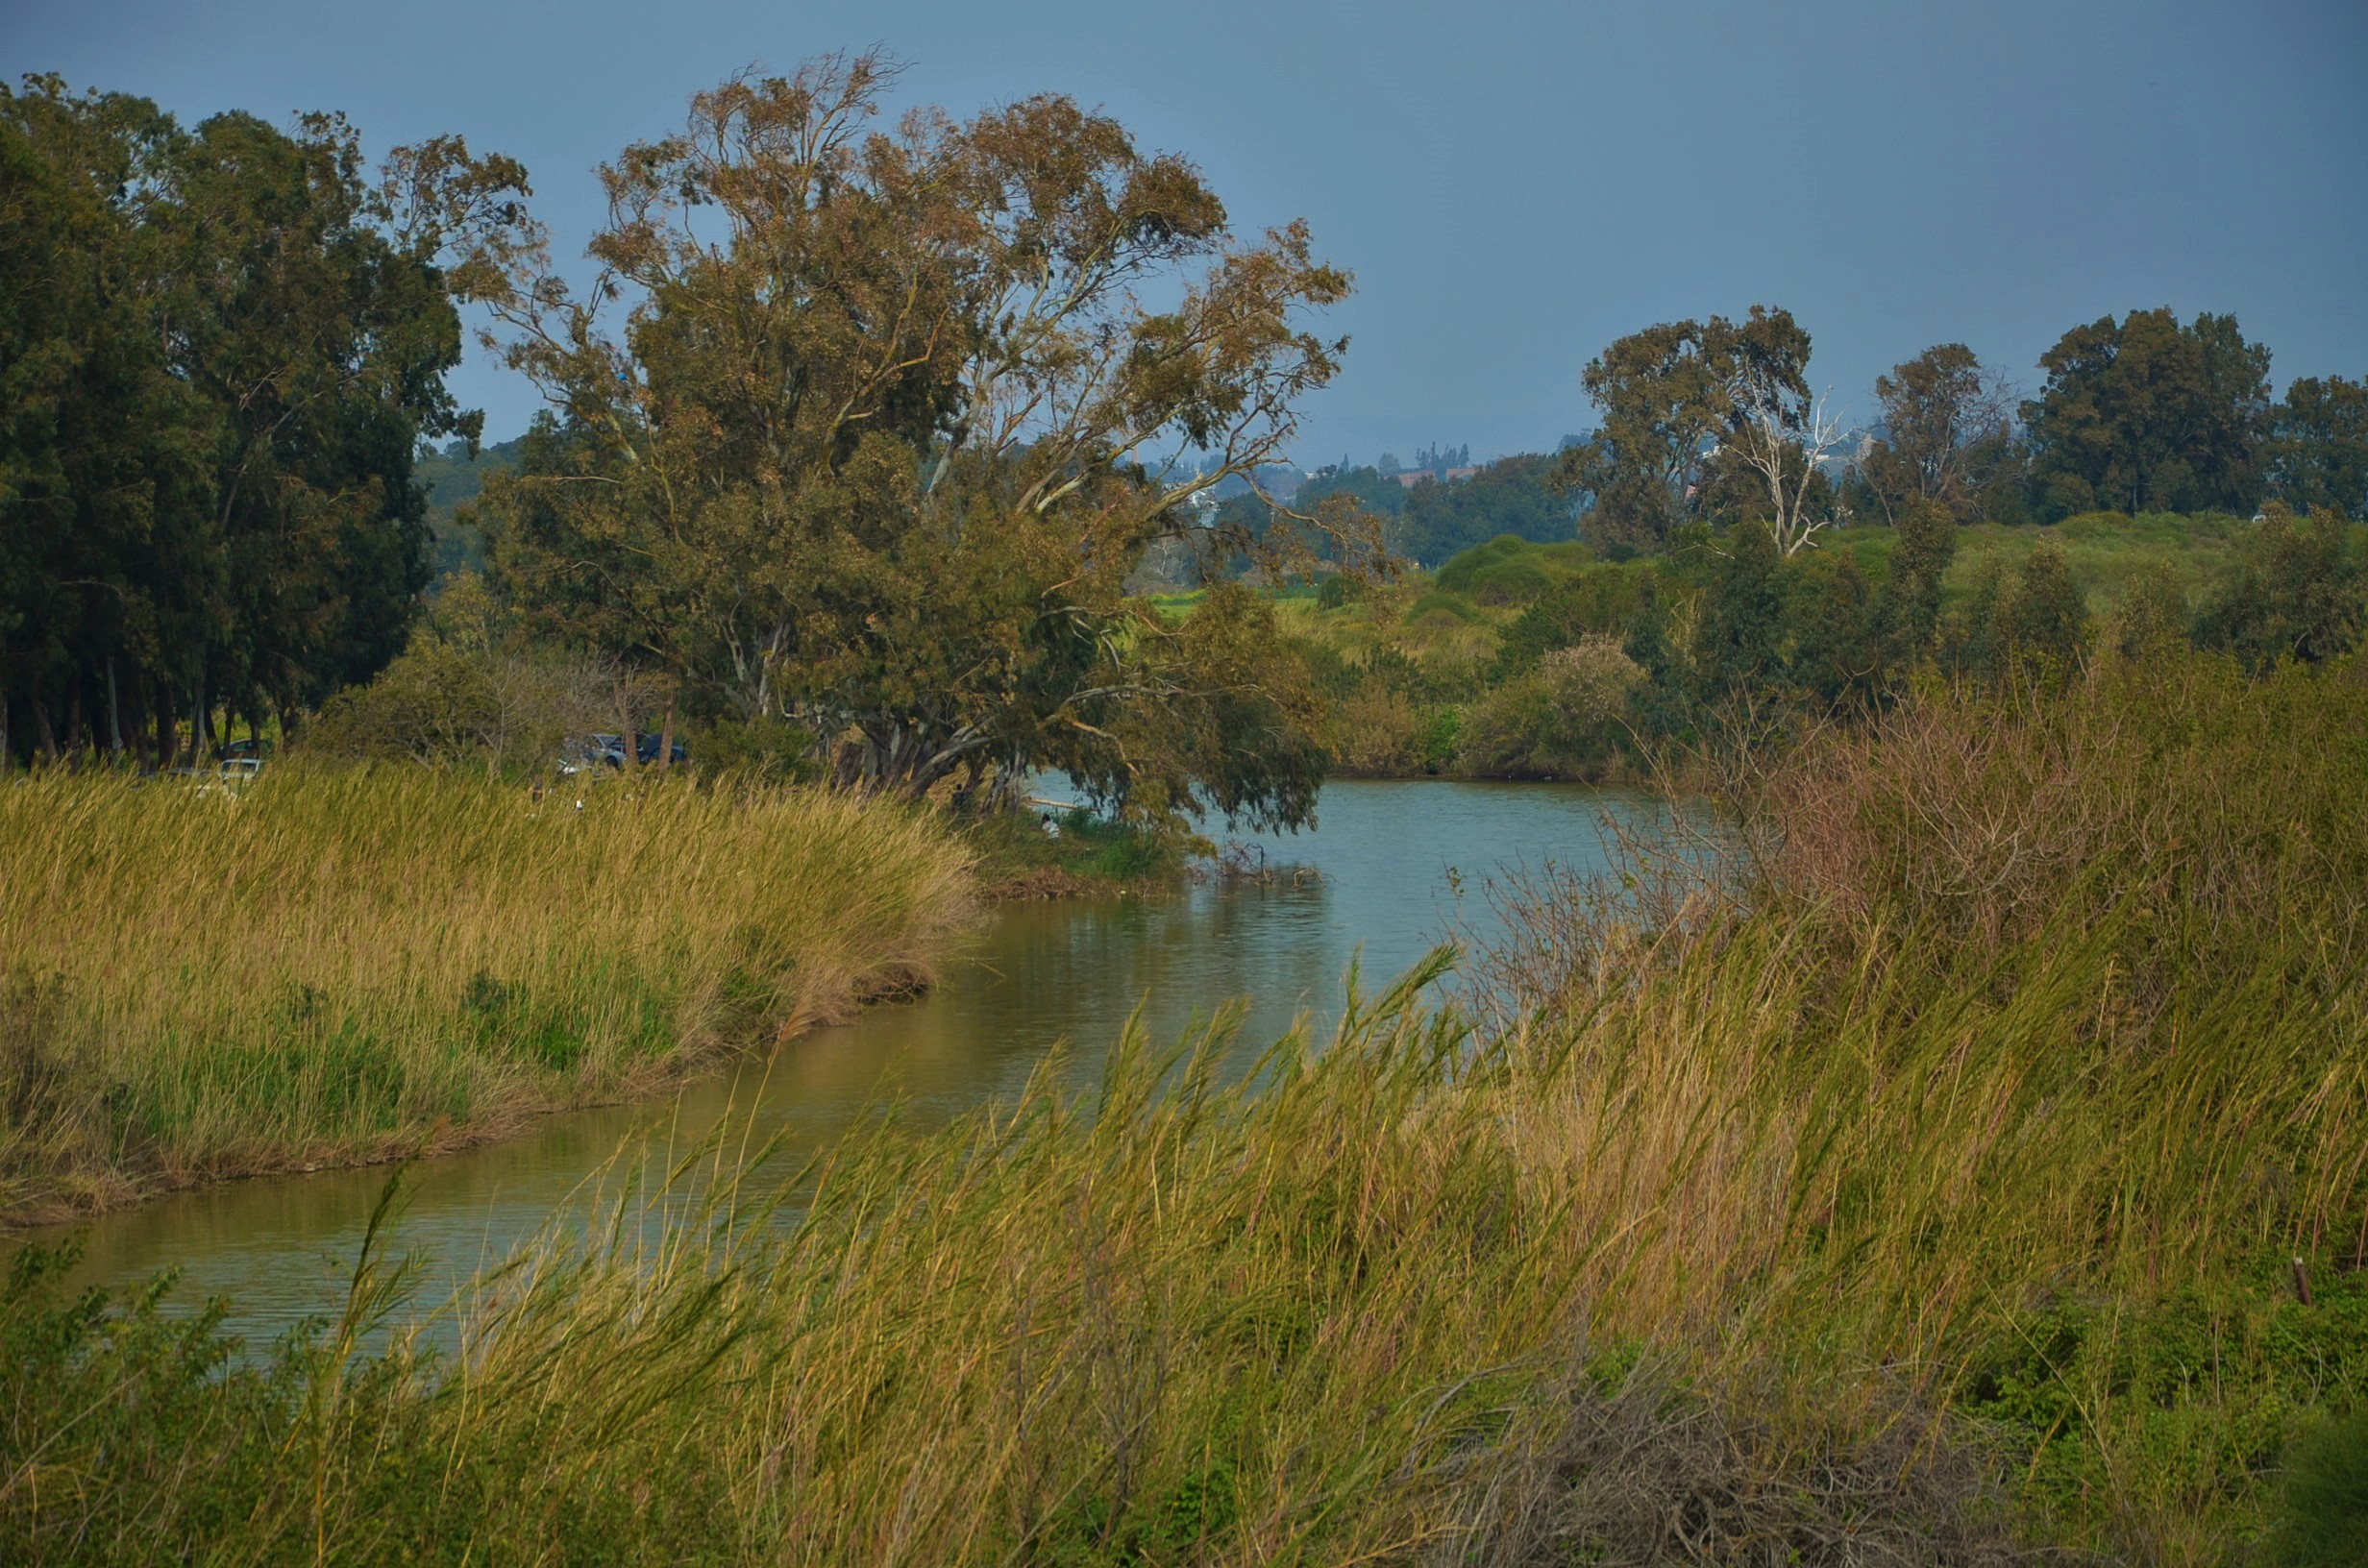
{"type": "Point", "coordinates": [1384, 861]}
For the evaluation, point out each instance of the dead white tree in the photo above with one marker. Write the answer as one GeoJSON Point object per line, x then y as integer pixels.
{"type": "Point", "coordinates": [1783, 442]}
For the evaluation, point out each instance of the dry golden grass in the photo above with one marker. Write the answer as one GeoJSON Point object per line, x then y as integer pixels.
{"type": "Point", "coordinates": [333, 965]}
{"type": "Point", "coordinates": [1794, 1230]}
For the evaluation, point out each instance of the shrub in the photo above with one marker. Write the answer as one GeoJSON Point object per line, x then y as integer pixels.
{"type": "Point", "coordinates": [2152, 620]}
{"type": "Point", "coordinates": [773, 750]}
{"type": "Point", "coordinates": [1376, 730]}
{"type": "Point", "coordinates": [1560, 719]}
{"type": "Point", "coordinates": [2296, 592]}
{"type": "Point", "coordinates": [2323, 1512]}
{"type": "Point", "coordinates": [466, 690]}
{"type": "Point", "coordinates": [2045, 619]}
{"type": "Point", "coordinates": [1440, 604]}
{"type": "Point", "coordinates": [1596, 600]}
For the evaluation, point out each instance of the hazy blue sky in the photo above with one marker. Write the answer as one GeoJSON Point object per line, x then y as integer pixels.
{"type": "Point", "coordinates": [1514, 185]}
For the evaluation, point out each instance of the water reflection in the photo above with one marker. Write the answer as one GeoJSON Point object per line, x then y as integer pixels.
{"type": "Point", "coordinates": [1035, 974]}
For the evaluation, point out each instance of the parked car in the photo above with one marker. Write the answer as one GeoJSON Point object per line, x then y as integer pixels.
{"type": "Point", "coordinates": [646, 749]}
{"type": "Point", "coordinates": [585, 753]}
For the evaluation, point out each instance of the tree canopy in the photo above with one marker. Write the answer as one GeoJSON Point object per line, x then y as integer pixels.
{"type": "Point", "coordinates": [2318, 446]}
{"type": "Point", "coordinates": [222, 347]}
{"type": "Point", "coordinates": [877, 443]}
{"type": "Point", "coordinates": [2148, 414]}
{"type": "Point", "coordinates": [1511, 495]}
{"type": "Point", "coordinates": [1692, 406]}
{"type": "Point", "coordinates": [1946, 422]}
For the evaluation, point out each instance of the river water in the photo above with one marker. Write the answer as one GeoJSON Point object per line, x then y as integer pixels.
{"type": "Point", "coordinates": [1386, 860]}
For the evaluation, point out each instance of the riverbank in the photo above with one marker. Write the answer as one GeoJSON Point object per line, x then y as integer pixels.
{"type": "Point", "coordinates": [336, 966]}
{"type": "Point", "coordinates": [1045, 852]}
{"type": "Point", "coordinates": [1984, 1185]}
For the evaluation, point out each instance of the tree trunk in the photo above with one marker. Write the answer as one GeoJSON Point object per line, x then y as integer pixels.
{"type": "Point", "coordinates": [137, 717]}
{"type": "Point", "coordinates": [74, 721]}
{"type": "Point", "coordinates": [666, 738]}
{"type": "Point", "coordinates": [168, 733]}
{"type": "Point", "coordinates": [115, 713]}
{"type": "Point", "coordinates": [43, 734]}
{"type": "Point", "coordinates": [201, 722]}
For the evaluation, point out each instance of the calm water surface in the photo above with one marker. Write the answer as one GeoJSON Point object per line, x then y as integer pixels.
{"type": "Point", "coordinates": [1386, 858]}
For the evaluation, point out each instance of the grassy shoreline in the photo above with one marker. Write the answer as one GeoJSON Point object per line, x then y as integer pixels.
{"type": "Point", "coordinates": [343, 965]}
{"type": "Point", "coordinates": [1929, 1189]}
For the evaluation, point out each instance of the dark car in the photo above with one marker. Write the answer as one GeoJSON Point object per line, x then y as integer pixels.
{"type": "Point", "coordinates": [647, 750]}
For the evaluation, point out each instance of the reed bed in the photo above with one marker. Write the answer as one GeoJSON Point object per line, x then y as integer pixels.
{"type": "Point", "coordinates": [1880, 1218]}
{"type": "Point", "coordinates": [339, 965]}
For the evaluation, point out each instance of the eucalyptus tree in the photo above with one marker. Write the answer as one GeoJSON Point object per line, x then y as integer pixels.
{"type": "Point", "coordinates": [1694, 413]}
{"type": "Point", "coordinates": [1945, 421]}
{"type": "Point", "coordinates": [2318, 446]}
{"type": "Point", "coordinates": [223, 348]}
{"type": "Point", "coordinates": [879, 438]}
{"type": "Point", "coordinates": [2148, 413]}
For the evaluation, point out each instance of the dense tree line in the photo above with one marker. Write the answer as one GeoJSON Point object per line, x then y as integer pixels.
{"type": "Point", "coordinates": [877, 464]}
{"type": "Point", "coordinates": [220, 349]}
{"type": "Point", "coordinates": [1713, 422]}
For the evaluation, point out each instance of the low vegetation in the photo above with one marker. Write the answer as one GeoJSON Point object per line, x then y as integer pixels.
{"type": "Point", "coordinates": [335, 964]}
{"type": "Point", "coordinates": [1972, 1172]}
{"type": "Point", "coordinates": [1523, 660]}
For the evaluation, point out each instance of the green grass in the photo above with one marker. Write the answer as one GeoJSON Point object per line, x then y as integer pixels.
{"type": "Point", "coordinates": [333, 965]}
{"type": "Point", "coordinates": [1090, 855]}
{"type": "Point", "coordinates": [1931, 1180]}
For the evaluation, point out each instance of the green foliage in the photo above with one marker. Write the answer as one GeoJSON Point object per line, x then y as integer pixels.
{"type": "Point", "coordinates": [2296, 591]}
{"type": "Point", "coordinates": [2323, 1505]}
{"type": "Point", "coordinates": [1511, 570]}
{"type": "Point", "coordinates": [1508, 498]}
{"type": "Point", "coordinates": [1559, 719]}
{"type": "Point", "coordinates": [768, 749]}
{"type": "Point", "coordinates": [470, 690]}
{"type": "Point", "coordinates": [1439, 737]}
{"type": "Point", "coordinates": [812, 507]}
{"type": "Point", "coordinates": [2146, 415]}
{"type": "Point", "coordinates": [1723, 626]}
{"type": "Point", "coordinates": [1946, 436]}
{"type": "Point", "coordinates": [1594, 601]}
{"type": "Point", "coordinates": [2045, 618]}
{"type": "Point", "coordinates": [452, 479]}
{"type": "Point", "coordinates": [224, 346]}
{"type": "Point", "coordinates": [1738, 642]}
{"type": "Point", "coordinates": [2155, 618]}
{"type": "Point", "coordinates": [1666, 394]}
{"type": "Point", "coordinates": [2318, 447]}
{"type": "Point", "coordinates": [1441, 603]}
{"type": "Point", "coordinates": [1367, 487]}
{"type": "Point", "coordinates": [1911, 596]}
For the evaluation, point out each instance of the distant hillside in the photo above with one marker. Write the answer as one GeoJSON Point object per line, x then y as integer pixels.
{"type": "Point", "coordinates": [452, 479]}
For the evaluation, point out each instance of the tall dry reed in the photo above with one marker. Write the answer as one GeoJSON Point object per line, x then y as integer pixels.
{"type": "Point", "coordinates": [1851, 1225]}
{"type": "Point", "coordinates": [333, 964]}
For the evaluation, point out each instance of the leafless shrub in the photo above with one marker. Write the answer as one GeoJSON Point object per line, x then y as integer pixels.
{"type": "Point", "coordinates": [1644, 1473]}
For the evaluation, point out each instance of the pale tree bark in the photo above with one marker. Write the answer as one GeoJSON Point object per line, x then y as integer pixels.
{"type": "Point", "coordinates": [1772, 442]}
